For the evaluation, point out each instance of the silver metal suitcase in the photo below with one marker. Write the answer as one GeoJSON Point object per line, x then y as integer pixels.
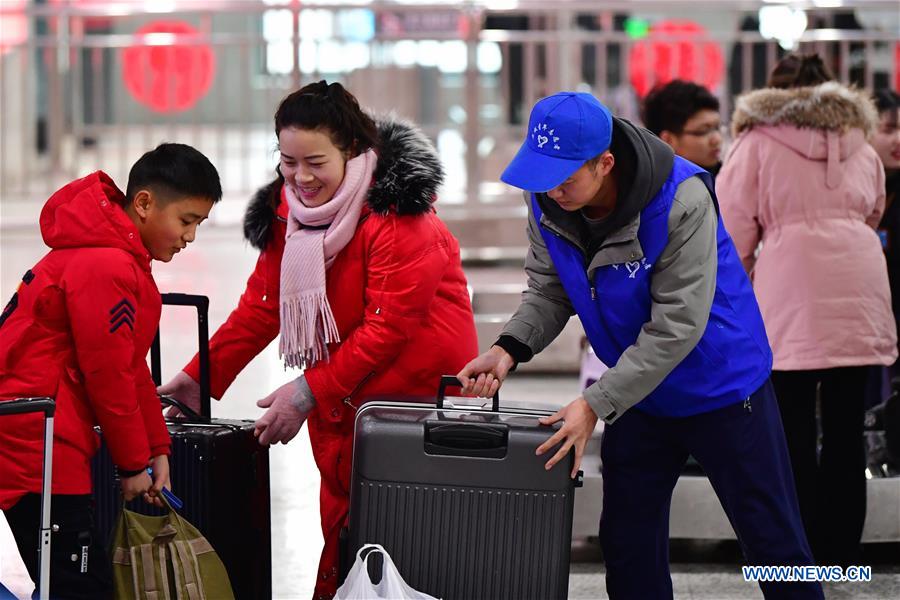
{"type": "Point", "coordinates": [459, 500]}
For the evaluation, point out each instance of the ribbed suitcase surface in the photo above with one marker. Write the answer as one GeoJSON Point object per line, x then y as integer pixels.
{"type": "Point", "coordinates": [462, 517]}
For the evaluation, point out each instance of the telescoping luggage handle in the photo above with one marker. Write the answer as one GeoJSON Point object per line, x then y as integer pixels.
{"type": "Point", "coordinates": [452, 381]}
{"type": "Point", "coordinates": [201, 303]}
{"type": "Point", "coordinates": [48, 407]}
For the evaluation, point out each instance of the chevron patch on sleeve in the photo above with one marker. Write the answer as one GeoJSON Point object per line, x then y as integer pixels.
{"type": "Point", "coordinates": [121, 314]}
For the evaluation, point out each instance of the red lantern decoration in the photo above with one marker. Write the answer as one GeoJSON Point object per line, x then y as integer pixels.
{"type": "Point", "coordinates": [689, 54]}
{"type": "Point", "coordinates": [168, 77]}
{"type": "Point", "coordinates": [13, 25]}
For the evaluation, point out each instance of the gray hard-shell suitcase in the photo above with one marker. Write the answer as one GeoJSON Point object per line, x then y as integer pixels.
{"type": "Point", "coordinates": [460, 501]}
{"type": "Point", "coordinates": [48, 407]}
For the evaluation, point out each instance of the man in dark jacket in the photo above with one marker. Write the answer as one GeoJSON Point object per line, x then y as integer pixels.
{"type": "Point", "coordinates": [627, 236]}
{"type": "Point", "coordinates": [686, 116]}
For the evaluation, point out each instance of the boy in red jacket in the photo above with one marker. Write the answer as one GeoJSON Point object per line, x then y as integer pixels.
{"type": "Point", "coordinates": [78, 329]}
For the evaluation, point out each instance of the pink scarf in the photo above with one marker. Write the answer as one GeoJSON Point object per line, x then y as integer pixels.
{"type": "Point", "coordinates": [314, 238]}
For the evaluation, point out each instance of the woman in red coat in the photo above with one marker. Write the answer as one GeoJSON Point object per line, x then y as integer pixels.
{"type": "Point", "coordinates": [359, 276]}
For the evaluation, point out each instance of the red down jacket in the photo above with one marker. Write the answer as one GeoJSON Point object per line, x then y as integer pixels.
{"type": "Point", "coordinates": [78, 329]}
{"type": "Point", "coordinates": [399, 297]}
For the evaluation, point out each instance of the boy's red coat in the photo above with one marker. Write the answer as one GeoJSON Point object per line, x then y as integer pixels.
{"type": "Point", "coordinates": [84, 318]}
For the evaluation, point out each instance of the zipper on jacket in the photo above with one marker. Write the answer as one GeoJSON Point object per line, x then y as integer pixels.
{"type": "Point", "coordinates": [265, 296]}
{"type": "Point", "coordinates": [583, 253]}
{"type": "Point", "coordinates": [356, 389]}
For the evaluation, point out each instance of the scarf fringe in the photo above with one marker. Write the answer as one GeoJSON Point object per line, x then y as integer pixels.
{"type": "Point", "coordinates": [307, 327]}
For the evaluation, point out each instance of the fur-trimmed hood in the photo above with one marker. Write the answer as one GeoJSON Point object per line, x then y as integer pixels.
{"type": "Point", "coordinates": [406, 180]}
{"type": "Point", "coordinates": [828, 106]}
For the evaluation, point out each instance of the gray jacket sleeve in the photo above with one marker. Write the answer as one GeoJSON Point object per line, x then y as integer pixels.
{"type": "Point", "coordinates": [682, 288]}
{"type": "Point", "coordinates": [545, 308]}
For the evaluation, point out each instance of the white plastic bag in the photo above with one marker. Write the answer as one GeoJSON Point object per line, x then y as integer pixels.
{"type": "Point", "coordinates": [358, 585]}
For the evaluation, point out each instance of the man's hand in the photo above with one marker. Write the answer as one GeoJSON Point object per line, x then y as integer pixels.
{"type": "Point", "coordinates": [579, 421]}
{"type": "Point", "coordinates": [132, 487]}
{"type": "Point", "coordinates": [184, 389]}
{"type": "Point", "coordinates": [288, 410]}
{"type": "Point", "coordinates": [484, 375]}
{"type": "Point", "coordinates": [160, 466]}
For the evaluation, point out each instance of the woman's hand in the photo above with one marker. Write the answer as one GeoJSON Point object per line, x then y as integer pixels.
{"type": "Point", "coordinates": [183, 388]}
{"type": "Point", "coordinates": [288, 407]}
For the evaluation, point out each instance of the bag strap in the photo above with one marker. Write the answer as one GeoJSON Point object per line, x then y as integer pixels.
{"type": "Point", "coordinates": [148, 566]}
{"type": "Point", "coordinates": [143, 568]}
{"type": "Point", "coordinates": [163, 571]}
{"type": "Point", "coordinates": [373, 548]}
{"type": "Point", "coordinates": [190, 569]}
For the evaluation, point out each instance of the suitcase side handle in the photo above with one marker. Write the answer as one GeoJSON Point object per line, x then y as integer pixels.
{"type": "Point", "coordinates": [21, 406]}
{"type": "Point", "coordinates": [452, 381]}
{"type": "Point", "coordinates": [187, 412]}
{"type": "Point", "coordinates": [201, 303]}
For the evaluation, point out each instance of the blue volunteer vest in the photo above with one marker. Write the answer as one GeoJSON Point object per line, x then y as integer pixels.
{"type": "Point", "coordinates": [732, 359]}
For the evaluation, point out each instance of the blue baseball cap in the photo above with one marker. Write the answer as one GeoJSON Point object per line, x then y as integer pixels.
{"type": "Point", "coordinates": [564, 131]}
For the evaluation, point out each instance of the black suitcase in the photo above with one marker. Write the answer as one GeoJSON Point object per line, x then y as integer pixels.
{"type": "Point", "coordinates": [47, 406]}
{"type": "Point", "coordinates": [459, 500]}
{"type": "Point", "coordinates": [220, 473]}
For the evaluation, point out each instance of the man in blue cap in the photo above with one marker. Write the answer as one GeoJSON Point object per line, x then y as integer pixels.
{"type": "Point", "coordinates": [627, 236]}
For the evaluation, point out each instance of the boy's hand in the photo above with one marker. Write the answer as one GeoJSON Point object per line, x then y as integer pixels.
{"type": "Point", "coordinates": [184, 389]}
{"type": "Point", "coordinates": [579, 422]}
{"type": "Point", "coordinates": [484, 375]}
{"type": "Point", "coordinates": [160, 466]}
{"type": "Point", "coordinates": [132, 487]}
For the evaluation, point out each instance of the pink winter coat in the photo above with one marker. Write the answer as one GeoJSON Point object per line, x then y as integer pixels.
{"type": "Point", "coordinates": [802, 184]}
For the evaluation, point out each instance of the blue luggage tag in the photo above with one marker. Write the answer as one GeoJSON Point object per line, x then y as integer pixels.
{"type": "Point", "coordinates": [174, 501]}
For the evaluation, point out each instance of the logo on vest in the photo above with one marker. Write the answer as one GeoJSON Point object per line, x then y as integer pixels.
{"type": "Point", "coordinates": [544, 135]}
{"type": "Point", "coordinates": [634, 266]}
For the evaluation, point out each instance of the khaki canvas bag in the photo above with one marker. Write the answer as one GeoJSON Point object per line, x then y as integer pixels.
{"type": "Point", "coordinates": [165, 558]}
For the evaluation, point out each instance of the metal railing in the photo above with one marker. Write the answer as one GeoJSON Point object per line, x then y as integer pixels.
{"type": "Point", "coordinates": [83, 89]}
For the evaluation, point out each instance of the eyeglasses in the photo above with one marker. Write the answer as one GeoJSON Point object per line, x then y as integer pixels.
{"type": "Point", "coordinates": [704, 132]}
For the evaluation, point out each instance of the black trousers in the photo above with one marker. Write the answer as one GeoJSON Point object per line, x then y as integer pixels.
{"type": "Point", "coordinates": [79, 563]}
{"type": "Point", "coordinates": [741, 448]}
{"type": "Point", "coordinates": [831, 484]}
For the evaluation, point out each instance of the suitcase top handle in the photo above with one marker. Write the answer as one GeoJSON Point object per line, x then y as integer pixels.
{"type": "Point", "coordinates": [28, 405]}
{"type": "Point", "coordinates": [186, 411]}
{"type": "Point", "coordinates": [452, 381]}
{"type": "Point", "coordinates": [201, 303]}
